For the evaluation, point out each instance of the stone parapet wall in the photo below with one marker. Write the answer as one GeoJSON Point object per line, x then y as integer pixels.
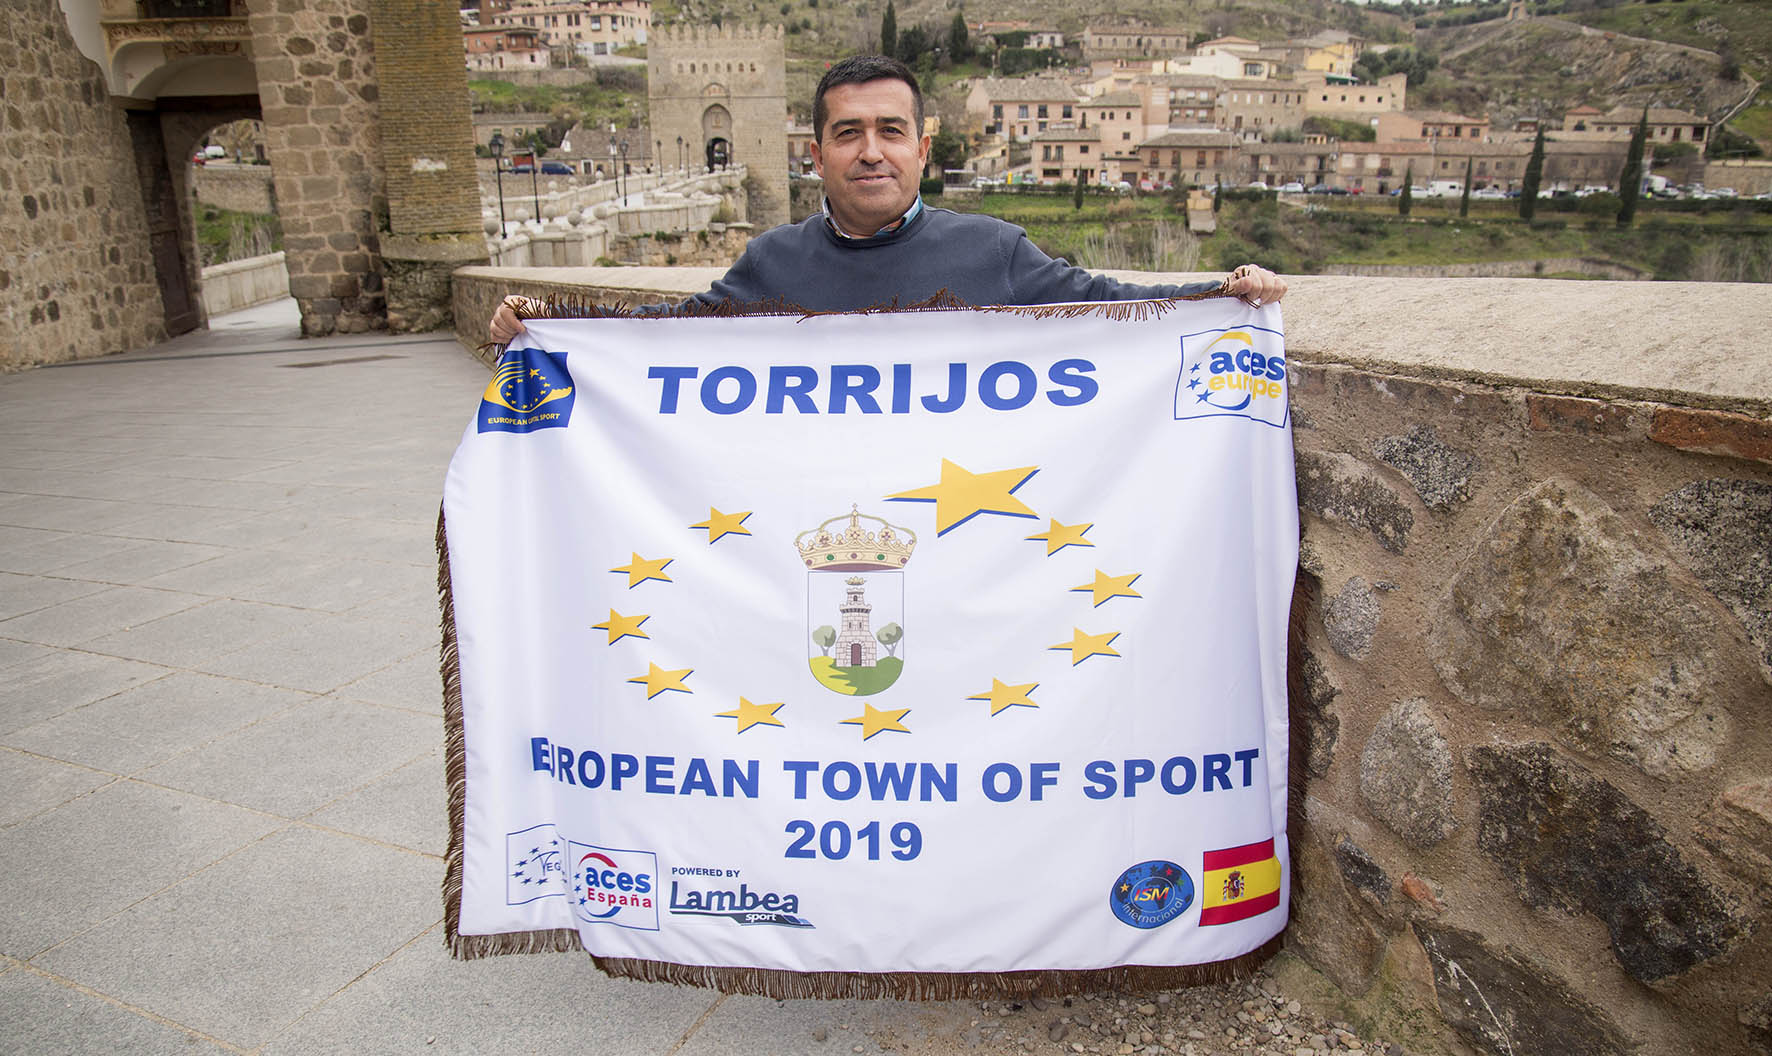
{"type": "Point", "coordinates": [242, 188]}
{"type": "Point", "coordinates": [1532, 655]}
{"type": "Point", "coordinates": [76, 273]}
{"type": "Point", "coordinates": [243, 283]}
{"type": "Point", "coordinates": [1496, 269]}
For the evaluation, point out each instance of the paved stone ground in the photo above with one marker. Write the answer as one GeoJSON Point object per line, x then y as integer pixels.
{"type": "Point", "coordinates": [221, 790]}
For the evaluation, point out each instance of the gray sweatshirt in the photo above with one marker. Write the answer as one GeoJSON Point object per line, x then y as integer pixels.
{"type": "Point", "coordinates": [978, 259]}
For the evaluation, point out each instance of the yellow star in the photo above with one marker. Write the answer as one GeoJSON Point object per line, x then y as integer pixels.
{"type": "Point", "coordinates": [1106, 586]}
{"type": "Point", "coordinates": [657, 680]}
{"type": "Point", "coordinates": [1003, 695]}
{"type": "Point", "coordinates": [961, 495]}
{"type": "Point", "coordinates": [872, 720]}
{"type": "Point", "coordinates": [1060, 536]}
{"type": "Point", "coordinates": [749, 715]}
{"type": "Point", "coordinates": [620, 626]}
{"type": "Point", "coordinates": [641, 569]}
{"type": "Point", "coordinates": [719, 524]}
{"type": "Point", "coordinates": [1083, 646]}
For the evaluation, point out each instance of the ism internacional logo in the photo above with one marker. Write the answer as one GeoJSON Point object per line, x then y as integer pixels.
{"type": "Point", "coordinates": [1237, 371]}
{"type": "Point", "coordinates": [1151, 894]}
{"type": "Point", "coordinates": [530, 390]}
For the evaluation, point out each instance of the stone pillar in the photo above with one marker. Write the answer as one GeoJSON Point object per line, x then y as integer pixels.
{"type": "Point", "coordinates": [427, 154]}
{"type": "Point", "coordinates": [317, 85]}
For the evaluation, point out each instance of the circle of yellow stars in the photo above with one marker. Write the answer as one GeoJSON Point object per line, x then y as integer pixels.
{"type": "Point", "coordinates": [960, 495]}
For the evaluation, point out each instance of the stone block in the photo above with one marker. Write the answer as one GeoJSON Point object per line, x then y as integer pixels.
{"type": "Point", "coordinates": [1362, 872]}
{"type": "Point", "coordinates": [1722, 529]}
{"type": "Point", "coordinates": [1440, 474]}
{"type": "Point", "coordinates": [1738, 827]}
{"type": "Point", "coordinates": [1330, 927]}
{"type": "Point", "coordinates": [1351, 618]}
{"type": "Point", "coordinates": [1713, 432]}
{"type": "Point", "coordinates": [1557, 614]}
{"type": "Point", "coordinates": [1406, 775]}
{"type": "Point", "coordinates": [1569, 841]}
{"type": "Point", "coordinates": [1571, 414]}
{"type": "Point", "coordinates": [1756, 1021]}
{"type": "Point", "coordinates": [1340, 488]}
{"type": "Point", "coordinates": [1505, 1004]}
{"type": "Point", "coordinates": [1314, 726]}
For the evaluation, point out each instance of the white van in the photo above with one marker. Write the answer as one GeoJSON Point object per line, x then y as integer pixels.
{"type": "Point", "coordinates": [1445, 188]}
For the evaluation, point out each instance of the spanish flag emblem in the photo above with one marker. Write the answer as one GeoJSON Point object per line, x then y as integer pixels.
{"type": "Point", "coordinates": [1239, 883]}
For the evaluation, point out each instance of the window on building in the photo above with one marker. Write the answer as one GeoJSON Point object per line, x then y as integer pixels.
{"type": "Point", "coordinates": [1041, 125]}
{"type": "Point", "coordinates": [997, 113]}
{"type": "Point", "coordinates": [1067, 112]}
{"type": "Point", "coordinates": [1125, 135]}
{"type": "Point", "coordinates": [1084, 149]}
{"type": "Point", "coordinates": [1042, 111]}
{"type": "Point", "coordinates": [1046, 152]}
{"type": "Point", "coordinates": [1199, 157]}
{"type": "Point", "coordinates": [1022, 110]}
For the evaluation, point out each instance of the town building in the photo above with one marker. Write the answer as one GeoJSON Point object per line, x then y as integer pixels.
{"type": "Point", "coordinates": [1277, 164]}
{"type": "Point", "coordinates": [1257, 109]}
{"type": "Point", "coordinates": [718, 95]}
{"type": "Point", "coordinates": [1021, 108]}
{"type": "Point", "coordinates": [1201, 157]}
{"type": "Point", "coordinates": [1346, 99]}
{"type": "Point", "coordinates": [504, 48]}
{"type": "Point", "coordinates": [1620, 123]}
{"type": "Point", "coordinates": [1404, 125]}
{"type": "Point", "coordinates": [585, 27]}
{"type": "Point", "coordinates": [1060, 153]}
{"type": "Point", "coordinates": [1133, 42]}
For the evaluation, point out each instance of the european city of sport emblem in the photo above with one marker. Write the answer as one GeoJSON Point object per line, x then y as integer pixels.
{"type": "Point", "coordinates": [855, 601]}
{"type": "Point", "coordinates": [530, 390]}
{"type": "Point", "coordinates": [1237, 371]}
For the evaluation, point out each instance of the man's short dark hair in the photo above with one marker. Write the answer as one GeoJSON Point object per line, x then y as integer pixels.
{"type": "Point", "coordinates": [860, 69]}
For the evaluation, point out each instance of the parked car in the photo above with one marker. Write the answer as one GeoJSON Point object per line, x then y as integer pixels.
{"type": "Point", "coordinates": [1293, 187]}
{"type": "Point", "coordinates": [1489, 193]}
{"type": "Point", "coordinates": [1257, 185]}
{"type": "Point", "coordinates": [556, 168]}
{"type": "Point", "coordinates": [1318, 188]}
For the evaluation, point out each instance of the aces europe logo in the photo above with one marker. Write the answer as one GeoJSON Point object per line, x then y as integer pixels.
{"type": "Point", "coordinates": [1238, 372]}
{"type": "Point", "coordinates": [530, 390]}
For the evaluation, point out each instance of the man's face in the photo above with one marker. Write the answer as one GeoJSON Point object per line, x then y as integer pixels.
{"type": "Point", "coordinates": [870, 153]}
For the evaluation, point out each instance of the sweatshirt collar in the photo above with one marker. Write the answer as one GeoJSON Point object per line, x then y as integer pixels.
{"type": "Point", "coordinates": [909, 215]}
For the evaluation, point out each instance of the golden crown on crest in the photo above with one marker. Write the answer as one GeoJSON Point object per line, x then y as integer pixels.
{"type": "Point", "coordinates": [853, 548]}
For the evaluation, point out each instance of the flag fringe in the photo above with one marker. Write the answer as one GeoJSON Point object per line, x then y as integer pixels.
{"type": "Point", "coordinates": [558, 305]}
{"type": "Point", "coordinates": [765, 982]}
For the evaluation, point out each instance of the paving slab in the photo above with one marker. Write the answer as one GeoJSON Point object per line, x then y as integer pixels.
{"type": "Point", "coordinates": [61, 681]}
{"type": "Point", "coordinates": [407, 808]}
{"type": "Point", "coordinates": [20, 594]}
{"type": "Point", "coordinates": [415, 683]}
{"type": "Point", "coordinates": [302, 758]}
{"type": "Point", "coordinates": [245, 948]}
{"type": "Point", "coordinates": [421, 1002]}
{"type": "Point", "coordinates": [74, 866]}
{"type": "Point", "coordinates": [139, 727]}
{"type": "Point", "coordinates": [106, 611]}
{"type": "Point", "coordinates": [131, 561]}
{"type": "Point", "coordinates": [31, 784]}
{"type": "Point", "coordinates": [188, 638]}
{"type": "Point", "coordinates": [45, 1017]}
{"type": "Point", "coordinates": [331, 651]}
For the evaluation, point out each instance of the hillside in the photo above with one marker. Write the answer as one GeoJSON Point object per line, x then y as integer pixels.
{"type": "Point", "coordinates": [1544, 66]}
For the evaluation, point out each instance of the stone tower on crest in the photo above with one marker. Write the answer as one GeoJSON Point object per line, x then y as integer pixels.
{"type": "Point", "coordinates": [718, 96]}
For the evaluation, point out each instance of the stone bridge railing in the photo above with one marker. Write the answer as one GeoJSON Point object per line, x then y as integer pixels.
{"type": "Point", "coordinates": [1532, 655]}
{"type": "Point", "coordinates": [572, 223]}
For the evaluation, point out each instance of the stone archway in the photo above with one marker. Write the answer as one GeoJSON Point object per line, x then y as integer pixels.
{"type": "Point", "coordinates": [716, 135]}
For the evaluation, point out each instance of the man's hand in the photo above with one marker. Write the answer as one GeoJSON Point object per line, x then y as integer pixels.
{"type": "Point", "coordinates": [505, 324]}
{"type": "Point", "coordinates": [1255, 285]}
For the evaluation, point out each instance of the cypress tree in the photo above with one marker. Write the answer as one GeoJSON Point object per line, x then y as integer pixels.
{"type": "Point", "coordinates": [1464, 200]}
{"type": "Point", "coordinates": [1630, 183]}
{"type": "Point", "coordinates": [1534, 176]}
{"type": "Point", "coordinates": [1406, 200]}
{"type": "Point", "coordinates": [1218, 195]}
{"type": "Point", "coordinates": [889, 31]}
{"type": "Point", "coordinates": [1077, 192]}
{"type": "Point", "coordinates": [959, 41]}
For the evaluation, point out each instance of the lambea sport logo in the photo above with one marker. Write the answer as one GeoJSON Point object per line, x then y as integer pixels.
{"type": "Point", "coordinates": [1237, 371]}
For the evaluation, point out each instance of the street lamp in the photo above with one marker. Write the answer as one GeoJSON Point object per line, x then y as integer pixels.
{"type": "Point", "coordinates": [679, 153]}
{"type": "Point", "coordinates": [534, 189]}
{"type": "Point", "coordinates": [497, 146]}
{"type": "Point", "coordinates": [657, 156]}
{"type": "Point", "coordinates": [623, 172]}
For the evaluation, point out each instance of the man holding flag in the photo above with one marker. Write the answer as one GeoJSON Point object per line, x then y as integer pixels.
{"type": "Point", "coordinates": [876, 244]}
